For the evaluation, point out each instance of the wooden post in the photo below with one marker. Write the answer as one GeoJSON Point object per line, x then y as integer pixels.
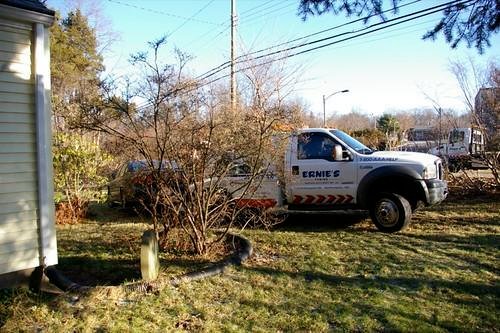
{"type": "Point", "coordinates": [150, 263]}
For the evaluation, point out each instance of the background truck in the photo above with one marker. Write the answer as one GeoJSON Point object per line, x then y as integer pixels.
{"type": "Point", "coordinates": [464, 149]}
{"type": "Point", "coordinates": [326, 170]}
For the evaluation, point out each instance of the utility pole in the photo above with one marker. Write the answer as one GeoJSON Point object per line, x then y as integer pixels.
{"type": "Point", "coordinates": [233, 35]}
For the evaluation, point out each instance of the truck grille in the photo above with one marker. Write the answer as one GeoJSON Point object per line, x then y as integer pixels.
{"type": "Point", "coordinates": [439, 169]}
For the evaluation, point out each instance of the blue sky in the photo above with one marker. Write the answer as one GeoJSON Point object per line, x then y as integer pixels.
{"type": "Point", "coordinates": [389, 70]}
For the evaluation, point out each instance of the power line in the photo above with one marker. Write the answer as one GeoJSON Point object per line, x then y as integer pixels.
{"type": "Point", "coordinates": [388, 34]}
{"type": "Point", "coordinates": [360, 33]}
{"type": "Point", "coordinates": [239, 16]}
{"type": "Point", "coordinates": [431, 10]}
{"type": "Point", "coordinates": [200, 85]}
{"type": "Point", "coordinates": [348, 38]}
{"type": "Point", "coordinates": [209, 32]}
{"type": "Point", "coordinates": [330, 29]}
{"type": "Point", "coordinates": [246, 20]}
{"type": "Point", "coordinates": [209, 42]}
{"type": "Point", "coordinates": [190, 18]}
{"type": "Point", "coordinates": [275, 4]}
{"type": "Point", "coordinates": [258, 6]}
{"type": "Point", "coordinates": [164, 13]}
{"type": "Point", "coordinates": [186, 19]}
{"type": "Point", "coordinates": [224, 65]}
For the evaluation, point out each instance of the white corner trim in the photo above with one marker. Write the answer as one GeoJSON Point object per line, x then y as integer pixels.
{"type": "Point", "coordinates": [46, 220]}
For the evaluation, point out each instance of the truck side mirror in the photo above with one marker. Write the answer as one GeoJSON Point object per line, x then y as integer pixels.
{"type": "Point", "coordinates": [337, 153]}
{"type": "Point", "coordinates": [346, 155]}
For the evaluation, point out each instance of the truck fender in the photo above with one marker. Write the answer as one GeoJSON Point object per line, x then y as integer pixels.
{"type": "Point", "coordinates": [389, 178]}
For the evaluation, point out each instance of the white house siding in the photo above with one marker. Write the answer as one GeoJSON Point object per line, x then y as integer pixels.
{"type": "Point", "coordinates": [19, 220]}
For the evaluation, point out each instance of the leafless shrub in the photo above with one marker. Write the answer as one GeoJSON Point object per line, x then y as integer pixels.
{"type": "Point", "coordinates": [191, 140]}
{"type": "Point", "coordinates": [467, 184]}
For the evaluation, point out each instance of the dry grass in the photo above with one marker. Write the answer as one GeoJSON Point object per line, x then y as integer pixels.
{"type": "Point", "coordinates": [310, 274]}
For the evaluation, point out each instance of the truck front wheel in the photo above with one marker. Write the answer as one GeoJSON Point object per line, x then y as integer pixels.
{"type": "Point", "coordinates": [390, 212]}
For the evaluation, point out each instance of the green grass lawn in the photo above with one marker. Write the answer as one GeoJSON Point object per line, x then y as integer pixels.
{"type": "Point", "coordinates": [310, 274]}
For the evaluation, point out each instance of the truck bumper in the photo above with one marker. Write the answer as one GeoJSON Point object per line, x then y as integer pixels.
{"type": "Point", "coordinates": [437, 189]}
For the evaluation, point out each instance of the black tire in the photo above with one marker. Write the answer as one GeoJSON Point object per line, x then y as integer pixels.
{"type": "Point", "coordinates": [390, 212]}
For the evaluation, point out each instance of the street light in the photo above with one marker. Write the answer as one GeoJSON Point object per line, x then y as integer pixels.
{"type": "Point", "coordinates": [324, 103]}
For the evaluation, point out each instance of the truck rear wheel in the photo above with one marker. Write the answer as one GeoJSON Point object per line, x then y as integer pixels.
{"type": "Point", "coordinates": [390, 212]}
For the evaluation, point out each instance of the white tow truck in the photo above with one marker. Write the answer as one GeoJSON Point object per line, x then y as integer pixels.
{"type": "Point", "coordinates": [463, 150]}
{"type": "Point", "coordinates": [327, 170]}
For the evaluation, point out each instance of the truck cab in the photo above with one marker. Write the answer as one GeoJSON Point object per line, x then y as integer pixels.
{"type": "Point", "coordinates": [329, 170]}
{"type": "Point", "coordinates": [463, 149]}
{"type": "Point", "coordinates": [326, 170]}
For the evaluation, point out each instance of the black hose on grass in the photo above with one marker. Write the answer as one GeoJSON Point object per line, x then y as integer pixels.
{"type": "Point", "coordinates": [244, 252]}
{"type": "Point", "coordinates": [60, 281]}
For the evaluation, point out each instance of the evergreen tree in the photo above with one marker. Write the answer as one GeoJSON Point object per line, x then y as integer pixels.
{"type": "Point", "coordinates": [76, 67]}
{"type": "Point", "coordinates": [387, 124]}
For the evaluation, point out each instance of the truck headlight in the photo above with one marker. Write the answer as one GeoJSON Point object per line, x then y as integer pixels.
{"type": "Point", "coordinates": [429, 172]}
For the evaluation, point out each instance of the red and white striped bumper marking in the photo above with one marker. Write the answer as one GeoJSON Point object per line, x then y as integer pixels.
{"type": "Point", "coordinates": [320, 199]}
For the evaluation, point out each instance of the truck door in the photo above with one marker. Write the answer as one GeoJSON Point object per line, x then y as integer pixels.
{"type": "Point", "coordinates": [316, 178]}
{"type": "Point", "coordinates": [459, 142]}
{"type": "Point", "coordinates": [476, 142]}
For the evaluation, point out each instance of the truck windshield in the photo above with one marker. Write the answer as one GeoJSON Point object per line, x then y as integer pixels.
{"type": "Point", "coordinates": [457, 136]}
{"type": "Point", "coordinates": [351, 142]}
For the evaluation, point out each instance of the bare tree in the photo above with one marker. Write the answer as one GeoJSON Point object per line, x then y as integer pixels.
{"type": "Point", "coordinates": [192, 141]}
{"type": "Point", "coordinates": [484, 108]}
{"type": "Point", "coordinates": [99, 22]}
{"type": "Point", "coordinates": [352, 121]}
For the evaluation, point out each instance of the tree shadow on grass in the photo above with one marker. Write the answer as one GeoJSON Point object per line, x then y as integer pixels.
{"type": "Point", "coordinates": [383, 312]}
{"type": "Point", "coordinates": [462, 221]}
{"type": "Point", "coordinates": [320, 223]}
{"type": "Point", "coordinates": [449, 244]}
{"type": "Point", "coordinates": [99, 272]}
{"type": "Point", "coordinates": [380, 282]}
{"type": "Point", "coordinates": [102, 213]}
{"type": "Point", "coordinates": [94, 272]}
{"type": "Point", "coordinates": [466, 241]}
